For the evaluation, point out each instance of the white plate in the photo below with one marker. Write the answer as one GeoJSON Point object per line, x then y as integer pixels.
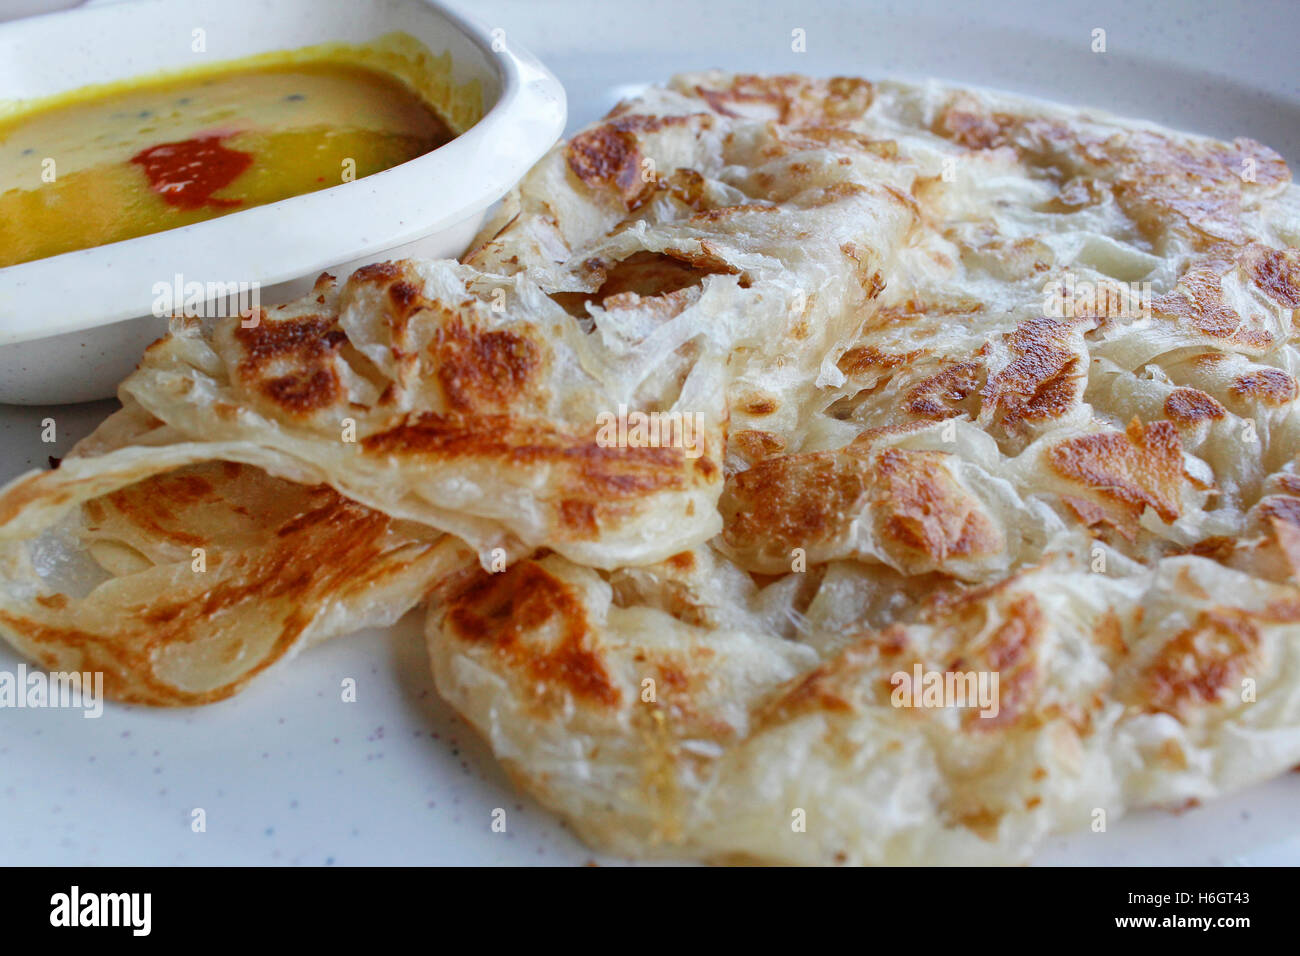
{"type": "Point", "coordinates": [288, 774]}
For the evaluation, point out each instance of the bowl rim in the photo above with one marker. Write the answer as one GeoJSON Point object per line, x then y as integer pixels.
{"type": "Point", "coordinates": [284, 240]}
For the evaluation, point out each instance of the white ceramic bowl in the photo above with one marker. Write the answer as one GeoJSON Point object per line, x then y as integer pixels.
{"type": "Point", "coordinates": [73, 326]}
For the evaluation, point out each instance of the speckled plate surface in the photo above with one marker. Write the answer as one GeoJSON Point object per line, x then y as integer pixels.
{"type": "Point", "coordinates": [287, 773]}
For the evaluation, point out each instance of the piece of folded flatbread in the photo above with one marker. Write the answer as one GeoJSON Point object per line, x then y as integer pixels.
{"type": "Point", "coordinates": [181, 570]}
{"type": "Point", "coordinates": [469, 402]}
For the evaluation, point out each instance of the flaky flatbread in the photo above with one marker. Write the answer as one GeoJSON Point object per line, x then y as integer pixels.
{"type": "Point", "coordinates": [1059, 449]}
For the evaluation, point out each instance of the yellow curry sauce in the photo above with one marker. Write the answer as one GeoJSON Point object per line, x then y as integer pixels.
{"type": "Point", "coordinates": [93, 167]}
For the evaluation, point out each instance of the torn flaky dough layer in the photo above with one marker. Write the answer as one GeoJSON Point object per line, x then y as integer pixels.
{"type": "Point", "coordinates": [181, 570]}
